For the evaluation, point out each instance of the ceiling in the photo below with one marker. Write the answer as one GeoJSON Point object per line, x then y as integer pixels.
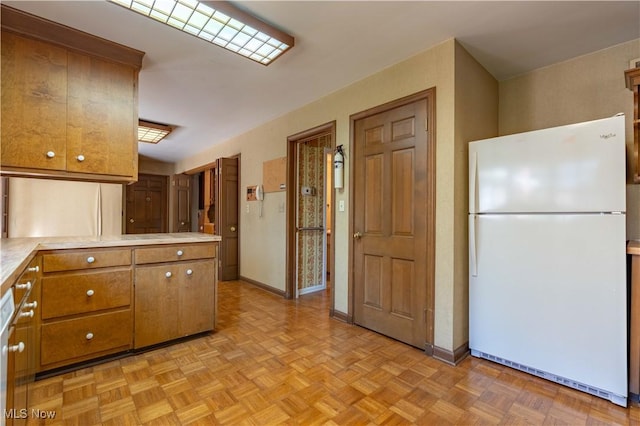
{"type": "Point", "coordinates": [212, 95]}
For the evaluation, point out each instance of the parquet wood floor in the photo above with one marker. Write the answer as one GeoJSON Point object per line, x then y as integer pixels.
{"type": "Point", "coordinates": [275, 361]}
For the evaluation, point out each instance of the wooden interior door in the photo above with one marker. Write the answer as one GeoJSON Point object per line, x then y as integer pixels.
{"type": "Point", "coordinates": [391, 262]}
{"type": "Point", "coordinates": [226, 217]}
{"type": "Point", "coordinates": [181, 185]}
{"type": "Point", "coordinates": [147, 205]}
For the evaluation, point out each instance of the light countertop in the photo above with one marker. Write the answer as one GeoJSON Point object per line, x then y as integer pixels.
{"type": "Point", "coordinates": [16, 253]}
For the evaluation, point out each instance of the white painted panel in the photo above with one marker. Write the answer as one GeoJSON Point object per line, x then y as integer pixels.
{"type": "Point", "coordinates": [573, 168]}
{"type": "Point", "coordinates": [550, 293]}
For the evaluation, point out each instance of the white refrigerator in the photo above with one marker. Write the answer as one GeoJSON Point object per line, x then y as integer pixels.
{"type": "Point", "coordinates": [547, 257]}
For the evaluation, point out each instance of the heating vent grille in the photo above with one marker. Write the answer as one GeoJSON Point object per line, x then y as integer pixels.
{"type": "Point", "coordinates": [616, 399]}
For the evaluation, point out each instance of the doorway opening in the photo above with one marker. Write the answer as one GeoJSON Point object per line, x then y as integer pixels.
{"type": "Point", "coordinates": [310, 212]}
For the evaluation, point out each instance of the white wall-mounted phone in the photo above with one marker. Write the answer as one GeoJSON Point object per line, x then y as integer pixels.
{"type": "Point", "coordinates": [259, 192]}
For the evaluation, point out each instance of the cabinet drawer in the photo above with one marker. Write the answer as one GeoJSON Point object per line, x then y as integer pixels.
{"type": "Point", "coordinates": [175, 252]}
{"type": "Point", "coordinates": [81, 338]}
{"type": "Point", "coordinates": [86, 259]}
{"type": "Point", "coordinates": [26, 282]}
{"type": "Point", "coordinates": [80, 293]}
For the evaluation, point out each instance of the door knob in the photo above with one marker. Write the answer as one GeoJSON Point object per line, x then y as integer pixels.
{"type": "Point", "coordinates": [357, 235]}
{"type": "Point", "coordinates": [233, 229]}
{"type": "Point", "coordinates": [131, 220]}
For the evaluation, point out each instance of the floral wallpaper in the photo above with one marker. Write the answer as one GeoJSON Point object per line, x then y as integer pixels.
{"type": "Point", "coordinates": [311, 211]}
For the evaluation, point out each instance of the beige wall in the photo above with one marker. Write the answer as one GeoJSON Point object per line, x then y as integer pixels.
{"type": "Point", "coordinates": [581, 89]}
{"type": "Point", "coordinates": [263, 238]}
{"type": "Point", "coordinates": [150, 166]}
{"type": "Point", "coordinates": [469, 105]}
{"type": "Point", "coordinates": [476, 117]}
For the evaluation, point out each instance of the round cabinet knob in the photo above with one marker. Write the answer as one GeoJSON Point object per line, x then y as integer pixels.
{"type": "Point", "coordinates": [80, 158]}
{"type": "Point", "coordinates": [233, 229]}
{"type": "Point", "coordinates": [34, 269]}
{"type": "Point", "coordinates": [131, 220]}
{"type": "Point", "coordinates": [28, 314]}
{"type": "Point", "coordinates": [89, 336]}
{"type": "Point", "coordinates": [179, 252]}
{"type": "Point", "coordinates": [24, 286]}
{"type": "Point", "coordinates": [91, 259]}
{"type": "Point", "coordinates": [90, 293]}
{"type": "Point", "coordinates": [51, 154]}
{"type": "Point", "coordinates": [16, 348]}
{"type": "Point", "coordinates": [189, 272]}
{"type": "Point", "coordinates": [31, 305]}
{"type": "Point", "coordinates": [181, 223]}
{"type": "Point", "coordinates": [168, 274]}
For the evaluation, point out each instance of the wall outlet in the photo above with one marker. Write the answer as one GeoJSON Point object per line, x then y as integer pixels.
{"type": "Point", "coordinates": [341, 205]}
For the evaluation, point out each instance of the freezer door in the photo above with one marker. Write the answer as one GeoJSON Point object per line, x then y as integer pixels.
{"type": "Point", "coordinates": [550, 293]}
{"type": "Point", "coordinates": [574, 168]}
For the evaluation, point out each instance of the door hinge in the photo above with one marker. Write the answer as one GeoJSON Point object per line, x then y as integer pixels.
{"type": "Point", "coordinates": [426, 125]}
{"type": "Point", "coordinates": [424, 315]}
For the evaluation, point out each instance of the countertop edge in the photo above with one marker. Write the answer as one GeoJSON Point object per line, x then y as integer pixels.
{"type": "Point", "coordinates": [633, 247]}
{"type": "Point", "coordinates": [16, 253]}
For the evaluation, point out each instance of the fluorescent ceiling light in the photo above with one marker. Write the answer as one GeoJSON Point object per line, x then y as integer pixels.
{"type": "Point", "coordinates": [151, 132]}
{"type": "Point", "coordinates": [219, 23]}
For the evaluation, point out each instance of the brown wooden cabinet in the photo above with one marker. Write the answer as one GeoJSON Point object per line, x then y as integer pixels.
{"type": "Point", "coordinates": [632, 78]}
{"type": "Point", "coordinates": [67, 111]}
{"type": "Point", "coordinates": [86, 310]}
{"type": "Point", "coordinates": [175, 292]}
{"type": "Point", "coordinates": [23, 347]}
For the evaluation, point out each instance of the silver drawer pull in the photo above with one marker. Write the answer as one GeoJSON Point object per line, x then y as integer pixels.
{"type": "Point", "coordinates": [25, 286]}
{"type": "Point", "coordinates": [89, 336]}
{"type": "Point", "coordinates": [168, 274]}
{"type": "Point", "coordinates": [28, 314]}
{"type": "Point", "coordinates": [34, 269]}
{"type": "Point", "coordinates": [31, 305]}
{"type": "Point", "coordinates": [14, 348]}
{"type": "Point", "coordinates": [91, 259]}
{"type": "Point", "coordinates": [179, 252]}
{"type": "Point", "coordinates": [80, 158]}
{"type": "Point", "coordinates": [189, 272]}
{"type": "Point", "coordinates": [51, 154]}
{"type": "Point", "coordinates": [90, 293]}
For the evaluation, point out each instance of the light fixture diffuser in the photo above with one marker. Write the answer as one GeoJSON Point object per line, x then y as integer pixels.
{"type": "Point", "coordinates": [219, 23]}
{"type": "Point", "coordinates": [151, 132]}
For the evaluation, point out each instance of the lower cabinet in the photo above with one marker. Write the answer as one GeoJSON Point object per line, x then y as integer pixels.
{"type": "Point", "coordinates": [174, 300]}
{"type": "Point", "coordinates": [99, 302]}
{"type": "Point", "coordinates": [73, 340]}
{"type": "Point", "coordinates": [22, 348]}
{"type": "Point", "coordinates": [87, 306]}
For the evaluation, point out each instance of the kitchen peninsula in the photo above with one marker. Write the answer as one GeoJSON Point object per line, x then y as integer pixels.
{"type": "Point", "coordinates": [85, 299]}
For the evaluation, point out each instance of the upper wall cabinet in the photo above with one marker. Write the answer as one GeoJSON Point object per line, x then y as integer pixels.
{"type": "Point", "coordinates": [633, 83]}
{"type": "Point", "coordinates": [69, 102]}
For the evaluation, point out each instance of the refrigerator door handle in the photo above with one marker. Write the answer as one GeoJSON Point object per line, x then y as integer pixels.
{"type": "Point", "coordinates": [473, 184]}
{"type": "Point", "coordinates": [473, 255]}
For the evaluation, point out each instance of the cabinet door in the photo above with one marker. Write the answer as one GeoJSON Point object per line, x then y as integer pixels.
{"type": "Point", "coordinates": [197, 297]}
{"type": "Point", "coordinates": [102, 117]}
{"type": "Point", "coordinates": [34, 103]}
{"type": "Point", "coordinates": [182, 203]}
{"type": "Point", "coordinates": [156, 304]}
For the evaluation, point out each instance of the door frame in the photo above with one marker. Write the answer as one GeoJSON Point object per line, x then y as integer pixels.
{"type": "Point", "coordinates": [291, 185]}
{"type": "Point", "coordinates": [430, 96]}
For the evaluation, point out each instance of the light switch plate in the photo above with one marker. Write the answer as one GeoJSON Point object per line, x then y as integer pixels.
{"type": "Point", "coordinates": [341, 205]}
